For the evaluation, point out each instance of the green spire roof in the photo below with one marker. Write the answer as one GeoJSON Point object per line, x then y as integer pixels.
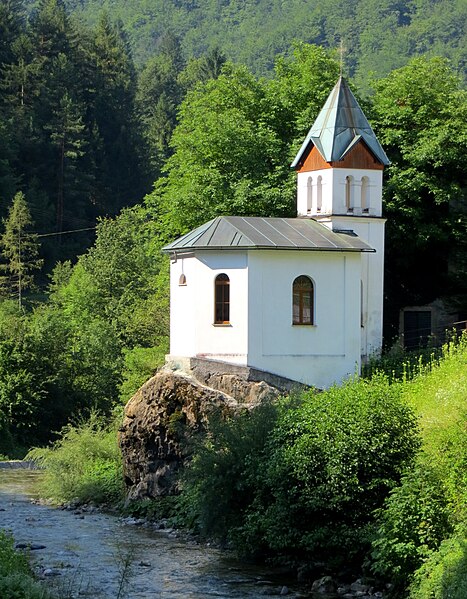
{"type": "Point", "coordinates": [340, 125]}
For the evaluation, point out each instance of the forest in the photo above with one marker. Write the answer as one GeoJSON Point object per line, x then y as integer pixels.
{"type": "Point", "coordinates": [379, 36]}
{"type": "Point", "coordinates": [102, 163]}
{"type": "Point", "coordinates": [115, 118]}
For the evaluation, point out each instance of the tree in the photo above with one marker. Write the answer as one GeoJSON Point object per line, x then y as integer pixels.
{"type": "Point", "coordinates": [208, 66]}
{"type": "Point", "coordinates": [157, 98]}
{"type": "Point", "coordinates": [20, 250]}
{"type": "Point", "coordinates": [11, 21]}
{"type": "Point", "coordinates": [113, 118]}
{"type": "Point", "coordinates": [419, 116]}
{"type": "Point", "coordinates": [236, 138]}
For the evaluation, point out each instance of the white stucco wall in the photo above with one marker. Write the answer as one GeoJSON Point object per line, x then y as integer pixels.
{"type": "Point", "coordinates": [333, 183]}
{"type": "Point", "coordinates": [328, 351]}
{"type": "Point", "coordinates": [261, 333]}
{"type": "Point", "coordinates": [192, 328]}
{"type": "Point", "coordinates": [370, 230]}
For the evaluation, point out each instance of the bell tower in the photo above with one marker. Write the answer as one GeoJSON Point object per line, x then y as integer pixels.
{"type": "Point", "coordinates": [339, 183]}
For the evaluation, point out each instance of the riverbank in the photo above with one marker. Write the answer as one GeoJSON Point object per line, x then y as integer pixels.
{"type": "Point", "coordinates": [84, 553]}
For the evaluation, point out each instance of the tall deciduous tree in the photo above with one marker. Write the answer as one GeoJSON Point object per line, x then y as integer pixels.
{"type": "Point", "coordinates": [236, 138]}
{"type": "Point", "coordinates": [419, 115]}
{"type": "Point", "coordinates": [20, 250]}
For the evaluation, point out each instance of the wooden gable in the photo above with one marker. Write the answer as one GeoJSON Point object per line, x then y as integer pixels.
{"type": "Point", "coordinates": [358, 157]}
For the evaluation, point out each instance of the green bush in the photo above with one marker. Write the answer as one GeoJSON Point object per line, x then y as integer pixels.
{"type": "Point", "coordinates": [432, 499]}
{"type": "Point", "coordinates": [414, 521]}
{"type": "Point", "coordinates": [84, 464]}
{"type": "Point", "coordinates": [220, 483]}
{"type": "Point", "coordinates": [141, 364]}
{"type": "Point", "coordinates": [444, 573]}
{"type": "Point", "coordinates": [303, 480]}
{"type": "Point", "coordinates": [330, 462]}
{"type": "Point", "coordinates": [16, 581]}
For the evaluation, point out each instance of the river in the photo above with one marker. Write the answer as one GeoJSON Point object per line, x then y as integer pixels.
{"type": "Point", "coordinates": [99, 556]}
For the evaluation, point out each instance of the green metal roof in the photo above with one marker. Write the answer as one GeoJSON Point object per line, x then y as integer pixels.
{"type": "Point", "coordinates": [255, 232]}
{"type": "Point", "coordinates": [339, 126]}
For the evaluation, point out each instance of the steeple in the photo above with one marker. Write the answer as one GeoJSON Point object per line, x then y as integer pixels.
{"type": "Point", "coordinates": [340, 126]}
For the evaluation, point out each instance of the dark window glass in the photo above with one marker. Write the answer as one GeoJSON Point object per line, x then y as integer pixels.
{"type": "Point", "coordinates": [417, 328]}
{"type": "Point", "coordinates": [302, 301]}
{"type": "Point", "coordinates": [222, 300]}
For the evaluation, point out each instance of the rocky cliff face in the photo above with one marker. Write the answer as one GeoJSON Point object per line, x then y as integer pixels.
{"type": "Point", "coordinates": [165, 413]}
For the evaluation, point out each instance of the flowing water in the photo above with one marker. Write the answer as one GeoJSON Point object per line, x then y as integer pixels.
{"type": "Point", "coordinates": [99, 556]}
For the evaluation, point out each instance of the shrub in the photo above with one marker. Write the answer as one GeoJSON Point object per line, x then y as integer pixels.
{"type": "Point", "coordinates": [432, 499]}
{"type": "Point", "coordinates": [302, 478]}
{"type": "Point", "coordinates": [330, 462]}
{"type": "Point", "coordinates": [84, 464]}
{"type": "Point", "coordinates": [141, 364]}
{"type": "Point", "coordinates": [444, 574]}
{"type": "Point", "coordinates": [414, 521]}
{"type": "Point", "coordinates": [16, 581]}
{"type": "Point", "coordinates": [220, 481]}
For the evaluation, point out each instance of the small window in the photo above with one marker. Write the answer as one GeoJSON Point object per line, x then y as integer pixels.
{"type": "Point", "coordinates": [319, 193]}
{"type": "Point", "coordinates": [222, 299]}
{"type": "Point", "coordinates": [303, 301]}
{"type": "Point", "coordinates": [365, 183]}
{"type": "Point", "coordinates": [348, 194]}
{"type": "Point", "coordinates": [309, 195]}
{"type": "Point", "coordinates": [182, 280]}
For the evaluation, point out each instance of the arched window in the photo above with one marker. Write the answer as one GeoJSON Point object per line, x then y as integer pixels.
{"type": "Point", "coordinates": [303, 301]}
{"type": "Point", "coordinates": [309, 194]}
{"type": "Point", "coordinates": [348, 194]}
{"type": "Point", "coordinates": [222, 299]}
{"type": "Point", "coordinates": [319, 194]}
{"type": "Point", "coordinates": [365, 182]}
{"type": "Point", "coordinates": [182, 280]}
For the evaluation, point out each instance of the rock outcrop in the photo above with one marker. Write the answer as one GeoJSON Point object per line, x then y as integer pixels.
{"type": "Point", "coordinates": [166, 412]}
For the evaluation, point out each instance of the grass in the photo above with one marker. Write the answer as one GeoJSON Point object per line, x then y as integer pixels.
{"type": "Point", "coordinates": [421, 543]}
{"type": "Point", "coordinates": [85, 464]}
{"type": "Point", "coordinates": [16, 578]}
{"type": "Point", "coordinates": [439, 398]}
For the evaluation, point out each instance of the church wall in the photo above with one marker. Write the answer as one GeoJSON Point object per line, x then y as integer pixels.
{"type": "Point", "coordinates": [370, 230]}
{"type": "Point", "coordinates": [320, 354]}
{"type": "Point", "coordinates": [193, 332]}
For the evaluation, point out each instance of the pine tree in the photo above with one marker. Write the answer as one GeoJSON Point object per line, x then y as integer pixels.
{"type": "Point", "coordinates": [158, 96]}
{"type": "Point", "coordinates": [11, 21]}
{"type": "Point", "coordinates": [20, 250]}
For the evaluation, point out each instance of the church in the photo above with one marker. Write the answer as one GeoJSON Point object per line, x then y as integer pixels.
{"type": "Point", "coordinates": [301, 298]}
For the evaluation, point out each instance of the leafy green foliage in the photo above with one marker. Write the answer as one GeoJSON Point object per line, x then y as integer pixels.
{"type": "Point", "coordinates": [431, 501]}
{"type": "Point", "coordinates": [67, 112]}
{"type": "Point", "coordinates": [444, 573]}
{"type": "Point", "coordinates": [414, 521]}
{"type": "Point", "coordinates": [379, 36]}
{"type": "Point", "coordinates": [141, 364]}
{"type": "Point", "coordinates": [219, 484]}
{"type": "Point", "coordinates": [16, 580]}
{"type": "Point", "coordinates": [303, 482]}
{"type": "Point", "coordinates": [19, 250]}
{"type": "Point", "coordinates": [234, 138]}
{"type": "Point", "coordinates": [84, 464]}
{"type": "Point", "coordinates": [419, 111]}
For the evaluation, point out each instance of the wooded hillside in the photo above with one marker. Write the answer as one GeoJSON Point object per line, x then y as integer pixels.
{"type": "Point", "coordinates": [379, 35]}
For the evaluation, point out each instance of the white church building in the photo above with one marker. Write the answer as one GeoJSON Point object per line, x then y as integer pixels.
{"type": "Point", "coordinates": [301, 297]}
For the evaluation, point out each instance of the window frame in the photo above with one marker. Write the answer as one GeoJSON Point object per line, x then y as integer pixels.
{"type": "Point", "coordinates": [222, 299]}
{"type": "Point", "coordinates": [303, 293]}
